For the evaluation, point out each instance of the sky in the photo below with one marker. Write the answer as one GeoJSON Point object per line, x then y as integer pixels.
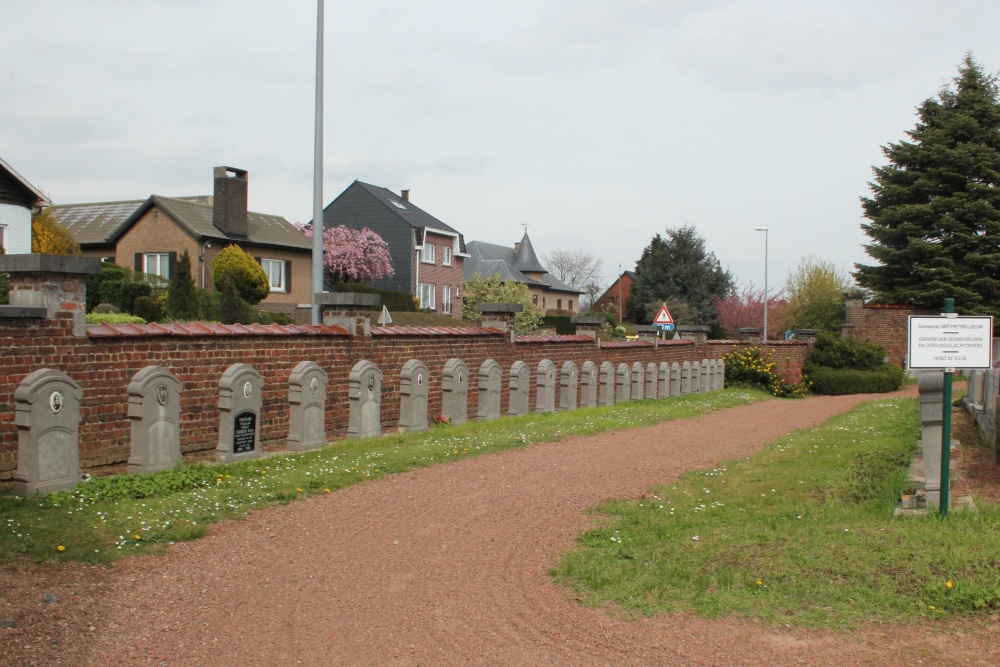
{"type": "Point", "coordinates": [597, 124]}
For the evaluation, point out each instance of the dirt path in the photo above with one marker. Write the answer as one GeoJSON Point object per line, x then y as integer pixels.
{"type": "Point", "coordinates": [440, 566]}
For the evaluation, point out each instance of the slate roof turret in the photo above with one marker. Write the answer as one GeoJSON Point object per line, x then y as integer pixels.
{"type": "Point", "coordinates": [525, 259]}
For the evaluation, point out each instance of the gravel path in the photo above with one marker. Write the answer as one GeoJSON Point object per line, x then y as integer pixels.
{"type": "Point", "coordinates": [441, 566]}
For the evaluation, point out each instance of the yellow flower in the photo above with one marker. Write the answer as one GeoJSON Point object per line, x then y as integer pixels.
{"type": "Point", "coordinates": [931, 606]}
{"type": "Point", "coordinates": [949, 584]}
{"type": "Point", "coordinates": [298, 490]}
{"type": "Point", "coordinates": [137, 536]}
{"type": "Point", "coordinates": [760, 583]}
{"type": "Point", "coordinates": [326, 490]}
{"type": "Point", "coordinates": [60, 548]}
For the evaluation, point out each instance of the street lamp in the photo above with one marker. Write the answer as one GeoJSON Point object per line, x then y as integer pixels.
{"type": "Point", "coordinates": [764, 229]}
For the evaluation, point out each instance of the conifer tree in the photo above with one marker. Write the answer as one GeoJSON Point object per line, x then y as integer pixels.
{"type": "Point", "coordinates": [935, 208]}
{"type": "Point", "coordinates": [182, 303]}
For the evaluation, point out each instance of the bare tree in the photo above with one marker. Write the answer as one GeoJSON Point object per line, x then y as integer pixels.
{"type": "Point", "coordinates": [576, 268]}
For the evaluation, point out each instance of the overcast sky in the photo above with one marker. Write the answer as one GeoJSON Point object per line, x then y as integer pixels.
{"type": "Point", "coordinates": [597, 124]}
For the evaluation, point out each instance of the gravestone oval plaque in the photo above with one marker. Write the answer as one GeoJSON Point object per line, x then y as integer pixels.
{"type": "Point", "coordinates": [313, 385]}
{"type": "Point", "coordinates": [244, 432]}
{"type": "Point", "coordinates": [162, 395]}
{"type": "Point", "coordinates": [56, 401]}
{"type": "Point", "coordinates": [247, 390]}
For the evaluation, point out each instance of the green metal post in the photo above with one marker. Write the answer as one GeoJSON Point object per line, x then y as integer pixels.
{"type": "Point", "coordinates": [949, 307]}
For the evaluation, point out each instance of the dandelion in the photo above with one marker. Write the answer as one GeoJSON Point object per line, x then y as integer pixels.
{"type": "Point", "coordinates": [137, 536]}
{"type": "Point", "coordinates": [931, 606]}
{"type": "Point", "coordinates": [298, 490]}
{"type": "Point", "coordinates": [60, 548]}
{"type": "Point", "coordinates": [949, 584]}
{"type": "Point", "coordinates": [326, 490]}
{"type": "Point", "coordinates": [760, 583]}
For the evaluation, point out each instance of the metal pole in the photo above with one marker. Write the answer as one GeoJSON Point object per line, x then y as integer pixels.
{"type": "Point", "coordinates": [619, 294]}
{"type": "Point", "coordinates": [317, 226]}
{"type": "Point", "coordinates": [764, 229]}
{"type": "Point", "coordinates": [949, 307]}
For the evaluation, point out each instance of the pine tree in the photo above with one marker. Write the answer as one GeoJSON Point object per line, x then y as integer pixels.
{"type": "Point", "coordinates": [678, 271]}
{"type": "Point", "coordinates": [182, 302]}
{"type": "Point", "coordinates": [935, 208]}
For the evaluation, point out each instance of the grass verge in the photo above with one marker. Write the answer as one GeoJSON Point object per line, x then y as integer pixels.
{"type": "Point", "coordinates": [106, 518]}
{"type": "Point", "coordinates": [800, 534]}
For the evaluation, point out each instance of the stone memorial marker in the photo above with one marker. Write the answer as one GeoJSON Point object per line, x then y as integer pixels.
{"type": "Point", "coordinates": [520, 388]}
{"type": "Point", "coordinates": [568, 383]}
{"type": "Point", "coordinates": [704, 385]}
{"type": "Point", "coordinates": [364, 397]}
{"type": "Point", "coordinates": [47, 417]}
{"type": "Point", "coordinates": [675, 379]}
{"type": "Point", "coordinates": [413, 389]}
{"type": "Point", "coordinates": [623, 384]}
{"type": "Point", "coordinates": [720, 374]}
{"type": "Point", "coordinates": [588, 385]}
{"type": "Point", "coordinates": [545, 378]}
{"type": "Point", "coordinates": [695, 377]}
{"type": "Point", "coordinates": [490, 384]}
{"type": "Point", "coordinates": [650, 381]}
{"type": "Point", "coordinates": [931, 387]}
{"type": "Point", "coordinates": [306, 407]}
{"type": "Point", "coordinates": [638, 382]}
{"type": "Point", "coordinates": [455, 391]}
{"type": "Point", "coordinates": [154, 412]}
{"type": "Point", "coordinates": [663, 380]}
{"type": "Point", "coordinates": [606, 393]}
{"type": "Point", "coordinates": [240, 397]}
{"type": "Point", "coordinates": [686, 378]}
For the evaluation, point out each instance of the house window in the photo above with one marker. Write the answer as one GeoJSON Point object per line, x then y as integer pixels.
{"type": "Point", "coordinates": [534, 299]}
{"type": "Point", "coordinates": [558, 304]}
{"type": "Point", "coordinates": [446, 256]}
{"type": "Point", "coordinates": [157, 263]}
{"type": "Point", "coordinates": [427, 295]}
{"type": "Point", "coordinates": [427, 254]}
{"type": "Point", "coordinates": [446, 299]}
{"type": "Point", "coordinates": [275, 270]}
{"type": "Point", "coordinates": [571, 305]}
{"type": "Point", "coordinates": [3, 237]}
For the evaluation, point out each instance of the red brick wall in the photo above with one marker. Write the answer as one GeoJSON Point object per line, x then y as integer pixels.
{"type": "Point", "coordinates": [105, 366]}
{"type": "Point", "coordinates": [440, 275]}
{"type": "Point", "coordinates": [885, 325]}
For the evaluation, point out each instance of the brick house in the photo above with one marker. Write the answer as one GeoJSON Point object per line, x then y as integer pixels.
{"type": "Point", "coordinates": [148, 235]}
{"type": "Point", "coordinates": [520, 264]}
{"type": "Point", "coordinates": [616, 296]}
{"type": "Point", "coordinates": [18, 198]}
{"type": "Point", "coordinates": [428, 256]}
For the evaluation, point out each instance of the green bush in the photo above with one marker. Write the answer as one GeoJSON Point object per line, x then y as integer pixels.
{"type": "Point", "coordinates": [748, 368]}
{"type": "Point", "coordinates": [147, 308]}
{"type": "Point", "coordinates": [401, 302]}
{"type": "Point", "coordinates": [110, 272]}
{"type": "Point", "coordinates": [832, 351]}
{"type": "Point", "coordinates": [123, 293]}
{"type": "Point", "coordinates": [181, 302]}
{"type": "Point", "coordinates": [113, 318]}
{"type": "Point", "coordinates": [247, 274]}
{"type": "Point", "coordinates": [562, 323]}
{"type": "Point", "coordinates": [232, 308]}
{"type": "Point", "coordinates": [838, 381]}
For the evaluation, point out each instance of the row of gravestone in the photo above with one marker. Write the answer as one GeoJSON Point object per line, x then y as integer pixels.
{"type": "Point", "coordinates": [48, 407]}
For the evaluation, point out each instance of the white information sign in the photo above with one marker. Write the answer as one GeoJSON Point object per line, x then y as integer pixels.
{"type": "Point", "coordinates": [950, 342]}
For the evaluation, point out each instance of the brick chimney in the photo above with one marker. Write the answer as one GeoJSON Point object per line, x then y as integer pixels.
{"type": "Point", "coordinates": [405, 194]}
{"type": "Point", "coordinates": [229, 211]}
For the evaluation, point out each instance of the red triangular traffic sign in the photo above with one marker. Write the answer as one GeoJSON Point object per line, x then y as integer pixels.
{"type": "Point", "coordinates": [663, 317]}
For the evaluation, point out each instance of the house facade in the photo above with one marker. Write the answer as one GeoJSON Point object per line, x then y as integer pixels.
{"type": "Point", "coordinates": [148, 236]}
{"type": "Point", "coordinates": [520, 264]}
{"type": "Point", "coordinates": [615, 297]}
{"type": "Point", "coordinates": [18, 198]}
{"type": "Point", "coordinates": [428, 256]}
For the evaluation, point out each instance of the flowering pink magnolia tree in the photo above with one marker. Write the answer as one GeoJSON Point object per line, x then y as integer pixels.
{"type": "Point", "coordinates": [358, 255]}
{"type": "Point", "coordinates": [745, 308]}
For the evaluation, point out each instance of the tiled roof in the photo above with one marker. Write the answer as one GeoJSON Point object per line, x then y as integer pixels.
{"type": "Point", "coordinates": [630, 343]}
{"type": "Point", "coordinates": [525, 258]}
{"type": "Point", "coordinates": [409, 212]}
{"type": "Point", "coordinates": [540, 338]}
{"type": "Point", "coordinates": [435, 331]}
{"type": "Point", "coordinates": [491, 259]}
{"type": "Point", "coordinates": [211, 329]}
{"type": "Point", "coordinates": [97, 222]}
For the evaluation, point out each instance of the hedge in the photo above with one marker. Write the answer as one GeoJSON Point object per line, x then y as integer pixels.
{"type": "Point", "coordinates": [840, 381]}
{"type": "Point", "coordinates": [402, 302]}
{"type": "Point", "coordinates": [563, 324]}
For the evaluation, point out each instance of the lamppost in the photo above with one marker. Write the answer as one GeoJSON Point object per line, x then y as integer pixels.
{"type": "Point", "coordinates": [619, 294]}
{"type": "Point", "coordinates": [764, 229]}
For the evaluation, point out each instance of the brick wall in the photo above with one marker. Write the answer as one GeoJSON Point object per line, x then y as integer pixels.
{"type": "Point", "coordinates": [439, 275]}
{"type": "Point", "coordinates": [884, 324]}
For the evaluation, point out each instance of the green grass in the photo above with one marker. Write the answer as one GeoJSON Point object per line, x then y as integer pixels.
{"type": "Point", "coordinates": [108, 517]}
{"type": "Point", "coordinates": [801, 534]}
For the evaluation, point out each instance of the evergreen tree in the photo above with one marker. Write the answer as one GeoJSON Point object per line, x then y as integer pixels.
{"type": "Point", "coordinates": [182, 302]}
{"type": "Point", "coordinates": [232, 308]}
{"type": "Point", "coordinates": [935, 208]}
{"type": "Point", "coordinates": [678, 271]}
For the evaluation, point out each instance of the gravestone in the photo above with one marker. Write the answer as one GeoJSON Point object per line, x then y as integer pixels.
{"type": "Point", "coordinates": [705, 378]}
{"type": "Point", "coordinates": [695, 377]}
{"type": "Point", "coordinates": [931, 386]}
{"type": "Point", "coordinates": [364, 396]}
{"type": "Point", "coordinates": [240, 395]}
{"type": "Point", "coordinates": [413, 389]}
{"type": "Point", "coordinates": [663, 380]}
{"type": "Point", "coordinates": [720, 374]}
{"type": "Point", "coordinates": [520, 388]}
{"type": "Point", "coordinates": [686, 378]}
{"type": "Point", "coordinates": [675, 379]}
{"type": "Point", "coordinates": [638, 382]}
{"type": "Point", "coordinates": [47, 417]}
{"type": "Point", "coordinates": [588, 385]}
{"type": "Point", "coordinates": [490, 382]}
{"type": "Point", "coordinates": [650, 381]}
{"type": "Point", "coordinates": [545, 378]}
{"type": "Point", "coordinates": [455, 391]}
{"type": "Point", "coordinates": [154, 413]}
{"type": "Point", "coordinates": [306, 407]}
{"type": "Point", "coordinates": [606, 390]}
{"type": "Point", "coordinates": [623, 384]}
{"type": "Point", "coordinates": [568, 382]}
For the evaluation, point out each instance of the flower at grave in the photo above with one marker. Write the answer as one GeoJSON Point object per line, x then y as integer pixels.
{"type": "Point", "coordinates": [60, 548]}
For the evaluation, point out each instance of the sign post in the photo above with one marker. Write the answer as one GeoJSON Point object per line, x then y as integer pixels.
{"type": "Point", "coordinates": [946, 343]}
{"type": "Point", "coordinates": [663, 319]}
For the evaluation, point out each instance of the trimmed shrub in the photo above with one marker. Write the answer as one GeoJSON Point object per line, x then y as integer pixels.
{"type": "Point", "coordinates": [109, 272]}
{"type": "Point", "coordinates": [123, 293]}
{"type": "Point", "coordinates": [181, 302]}
{"type": "Point", "coordinates": [147, 308]}
{"type": "Point", "coordinates": [839, 381]}
{"type": "Point", "coordinates": [832, 351]}
{"type": "Point", "coordinates": [563, 324]}
{"type": "Point", "coordinates": [113, 318]}
{"type": "Point", "coordinates": [247, 274]}
{"type": "Point", "coordinates": [106, 309]}
{"type": "Point", "coordinates": [401, 302]}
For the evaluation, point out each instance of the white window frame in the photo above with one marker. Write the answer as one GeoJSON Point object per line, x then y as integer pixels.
{"type": "Point", "coordinates": [427, 253]}
{"type": "Point", "coordinates": [446, 256]}
{"type": "Point", "coordinates": [446, 299]}
{"type": "Point", "coordinates": [268, 264]}
{"type": "Point", "coordinates": [162, 264]}
{"type": "Point", "coordinates": [427, 296]}
{"type": "Point", "coordinates": [3, 237]}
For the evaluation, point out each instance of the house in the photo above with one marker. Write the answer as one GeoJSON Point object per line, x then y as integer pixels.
{"type": "Point", "coordinates": [615, 297]}
{"type": "Point", "coordinates": [18, 198]}
{"type": "Point", "coordinates": [520, 264]}
{"type": "Point", "coordinates": [428, 256]}
{"type": "Point", "coordinates": [148, 235]}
